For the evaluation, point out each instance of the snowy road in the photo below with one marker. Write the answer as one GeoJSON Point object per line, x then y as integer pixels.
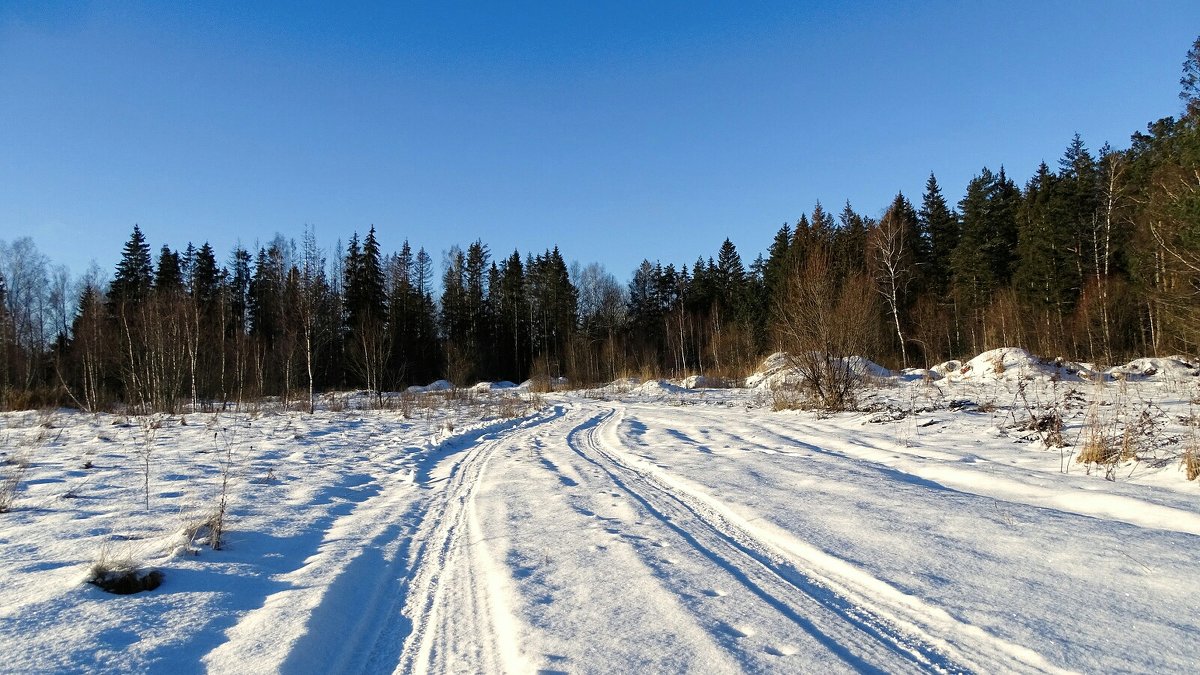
{"type": "Point", "coordinates": [611, 537]}
{"type": "Point", "coordinates": [695, 532]}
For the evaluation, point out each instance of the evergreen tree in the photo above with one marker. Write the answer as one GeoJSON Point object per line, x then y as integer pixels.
{"type": "Point", "coordinates": [941, 225]}
{"type": "Point", "coordinates": [1077, 197]}
{"type": "Point", "coordinates": [776, 266]}
{"type": "Point", "coordinates": [365, 308]}
{"type": "Point", "coordinates": [135, 274]}
{"type": "Point", "coordinates": [730, 277]}
{"type": "Point", "coordinates": [239, 290]}
{"type": "Point", "coordinates": [168, 276]}
{"type": "Point", "coordinates": [507, 298]}
{"type": "Point", "coordinates": [849, 244]}
{"type": "Point", "coordinates": [266, 296]}
{"type": "Point", "coordinates": [205, 283]}
{"type": "Point", "coordinates": [1046, 277]}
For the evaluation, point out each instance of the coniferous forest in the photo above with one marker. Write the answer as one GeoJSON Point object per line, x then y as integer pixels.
{"type": "Point", "coordinates": [1096, 258]}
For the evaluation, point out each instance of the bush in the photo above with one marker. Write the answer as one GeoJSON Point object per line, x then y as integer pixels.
{"type": "Point", "coordinates": [122, 576]}
{"type": "Point", "coordinates": [10, 481]}
{"type": "Point", "coordinates": [822, 323]}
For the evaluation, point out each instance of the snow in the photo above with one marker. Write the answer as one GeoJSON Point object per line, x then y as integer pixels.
{"type": "Point", "coordinates": [1166, 369]}
{"type": "Point", "coordinates": [659, 389]}
{"type": "Point", "coordinates": [777, 371]}
{"type": "Point", "coordinates": [438, 385]}
{"type": "Point", "coordinates": [640, 527]}
{"type": "Point", "coordinates": [493, 386]}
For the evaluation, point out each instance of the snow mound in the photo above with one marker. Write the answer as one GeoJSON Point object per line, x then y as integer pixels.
{"type": "Point", "coordinates": [556, 384]}
{"type": "Point", "coordinates": [1158, 369]}
{"type": "Point", "coordinates": [1013, 363]}
{"type": "Point", "coordinates": [703, 382]}
{"type": "Point", "coordinates": [868, 368]}
{"type": "Point", "coordinates": [439, 385]}
{"type": "Point", "coordinates": [777, 371]}
{"type": "Point", "coordinates": [659, 388]}
{"type": "Point", "coordinates": [483, 387]}
{"type": "Point", "coordinates": [920, 374]}
{"type": "Point", "coordinates": [947, 367]}
{"type": "Point", "coordinates": [621, 386]}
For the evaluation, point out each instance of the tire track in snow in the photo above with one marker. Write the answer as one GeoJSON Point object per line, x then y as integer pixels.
{"type": "Point", "coordinates": [362, 601]}
{"type": "Point", "coordinates": [866, 635]}
{"type": "Point", "coordinates": [456, 616]}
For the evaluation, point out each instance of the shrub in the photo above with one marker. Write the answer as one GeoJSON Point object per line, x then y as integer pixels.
{"type": "Point", "coordinates": [123, 576]}
{"type": "Point", "coordinates": [10, 481]}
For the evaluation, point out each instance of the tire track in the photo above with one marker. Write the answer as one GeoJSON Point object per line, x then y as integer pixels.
{"type": "Point", "coordinates": [854, 629]}
{"type": "Point", "coordinates": [455, 616]}
{"type": "Point", "coordinates": [391, 578]}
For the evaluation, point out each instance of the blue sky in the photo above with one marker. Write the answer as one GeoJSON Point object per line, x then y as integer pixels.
{"type": "Point", "coordinates": [616, 130]}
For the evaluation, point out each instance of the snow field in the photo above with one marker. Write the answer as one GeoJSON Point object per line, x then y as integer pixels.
{"type": "Point", "coordinates": [644, 527]}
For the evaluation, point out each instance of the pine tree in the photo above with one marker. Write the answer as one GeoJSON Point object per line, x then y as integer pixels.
{"type": "Point", "coordinates": [509, 306]}
{"type": "Point", "coordinates": [367, 349]}
{"type": "Point", "coordinates": [1046, 277]}
{"type": "Point", "coordinates": [776, 266]}
{"type": "Point", "coordinates": [1189, 81]}
{"type": "Point", "coordinates": [168, 277]}
{"type": "Point", "coordinates": [942, 227]}
{"type": "Point", "coordinates": [135, 274]}
{"type": "Point", "coordinates": [205, 283]}
{"type": "Point", "coordinates": [730, 278]}
{"type": "Point", "coordinates": [849, 243]}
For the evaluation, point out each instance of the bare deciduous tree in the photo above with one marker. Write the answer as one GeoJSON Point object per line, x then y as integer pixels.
{"type": "Point", "coordinates": [822, 324]}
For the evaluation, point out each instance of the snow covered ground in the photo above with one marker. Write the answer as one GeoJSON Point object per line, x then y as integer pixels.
{"type": "Point", "coordinates": [645, 527]}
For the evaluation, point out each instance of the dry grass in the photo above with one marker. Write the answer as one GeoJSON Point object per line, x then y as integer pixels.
{"type": "Point", "coordinates": [1191, 462]}
{"type": "Point", "coordinates": [1100, 444]}
{"type": "Point", "coordinates": [10, 480]}
{"type": "Point", "coordinates": [122, 575]}
{"type": "Point", "coordinates": [1191, 451]}
{"type": "Point", "coordinates": [789, 398]}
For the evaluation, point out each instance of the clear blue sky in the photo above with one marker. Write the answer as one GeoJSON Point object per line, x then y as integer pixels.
{"type": "Point", "coordinates": [616, 130]}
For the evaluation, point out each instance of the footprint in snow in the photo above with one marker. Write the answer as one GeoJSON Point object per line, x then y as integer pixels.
{"type": "Point", "coordinates": [782, 650]}
{"type": "Point", "coordinates": [714, 593]}
{"type": "Point", "coordinates": [736, 631]}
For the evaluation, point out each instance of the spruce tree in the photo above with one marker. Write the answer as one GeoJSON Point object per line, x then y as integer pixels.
{"type": "Point", "coordinates": [205, 278]}
{"type": "Point", "coordinates": [1046, 277]}
{"type": "Point", "coordinates": [941, 225]}
{"type": "Point", "coordinates": [168, 276]}
{"type": "Point", "coordinates": [135, 275]}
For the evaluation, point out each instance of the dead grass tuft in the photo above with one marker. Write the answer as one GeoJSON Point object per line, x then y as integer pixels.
{"type": "Point", "coordinates": [123, 576]}
{"type": "Point", "coordinates": [10, 480]}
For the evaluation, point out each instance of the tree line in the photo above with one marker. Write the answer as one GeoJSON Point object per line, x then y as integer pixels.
{"type": "Point", "coordinates": [1096, 258]}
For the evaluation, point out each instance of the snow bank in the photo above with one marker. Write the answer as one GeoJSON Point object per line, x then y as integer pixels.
{"type": "Point", "coordinates": [621, 386]}
{"type": "Point", "coordinates": [1008, 364]}
{"type": "Point", "coordinates": [1168, 369]}
{"type": "Point", "coordinates": [439, 385]}
{"type": "Point", "coordinates": [556, 383]}
{"type": "Point", "coordinates": [659, 388]}
{"type": "Point", "coordinates": [920, 374]}
{"type": "Point", "coordinates": [868, 368]}
{"type": "Point", "coordinates": [777, 371]}
{"type": "Point", "coordinates": [702, 382]}
{"type": "Point", "coordinates": [484, 387]}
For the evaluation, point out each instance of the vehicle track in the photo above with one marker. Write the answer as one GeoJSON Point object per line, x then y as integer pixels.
{"type": "Point", "coordinates": [864, 633]}
{"type": "Point", "coordinates": [457, 620]}
{"type": "Point", "coordinates": [394, 585]}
